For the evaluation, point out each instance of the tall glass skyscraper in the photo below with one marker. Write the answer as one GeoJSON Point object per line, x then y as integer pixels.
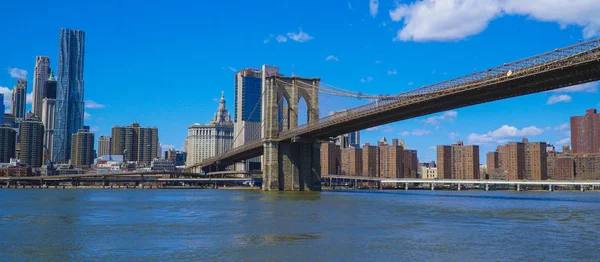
{"type": "Point", "coordinates": [69, 92]}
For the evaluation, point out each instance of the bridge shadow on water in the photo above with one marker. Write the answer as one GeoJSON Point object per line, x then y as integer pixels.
{"type": "Point", "coordinates": [549, 196]}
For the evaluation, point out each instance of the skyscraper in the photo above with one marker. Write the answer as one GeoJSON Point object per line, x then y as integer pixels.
{"type": "Point", "coordinates": [135, 143]}
{"type": "Point", "coordinates": [104, 145]}
{"type": "Point", "coordinates": [48, 113]}
{"type": "Point", "coordinates": [351, 161]}
{"type": "Point", "coordinates": [247, 111]}
{"type": "Point", "coordinates": [370, 160]}
{"type": "Point", "coordinates": [216, 137]}
{"type": "Point", "coordinates": [8, 143]}
{"type": "Point", "coordinates": [19, 100]}
{"type": "Point", "coordinates": [82, 151]}
{"type": "Point", "coordinates": [31, 139]}
{"type": "Point", "coordinates": [391, 159]}
{"type": "Point", "coordinates": [40, 76]}
{"type": "Point", "coordinates": [49, 87]}
{"type": "Point", "coordinates": [585, 132]}
{"type": "Point", "coordinates": [69, 92]}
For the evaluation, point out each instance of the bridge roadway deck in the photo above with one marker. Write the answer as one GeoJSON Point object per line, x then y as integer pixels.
{"type": "Point", "coordinates": [465, 181]}
{"type": "Point", "coordinates": [560, 68]}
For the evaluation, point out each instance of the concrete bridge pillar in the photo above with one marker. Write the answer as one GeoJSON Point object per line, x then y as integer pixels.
{"type": "Point", "coordinates": [518, 187]}
{"type": "Point", "coordinates": [405, 186]}
{"type": "Point", "coordinates": [487, 187]}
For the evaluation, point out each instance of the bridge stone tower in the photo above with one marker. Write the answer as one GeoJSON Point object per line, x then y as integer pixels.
{"type": "Point", "coordinates": [290, 163]}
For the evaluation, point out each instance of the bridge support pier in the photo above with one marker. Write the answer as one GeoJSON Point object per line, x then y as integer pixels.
{"type": "Point", "coordinates": [292, 166]}
{"type": "Point", "coordinates": [487, 187]}
{"type": "Point", "coordinates": [518, 187]}
{"type": "Point", "coordinates": [405, 186]}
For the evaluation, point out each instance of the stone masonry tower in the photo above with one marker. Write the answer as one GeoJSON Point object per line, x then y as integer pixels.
{"type": "Point", "coordinates": [290, 164]}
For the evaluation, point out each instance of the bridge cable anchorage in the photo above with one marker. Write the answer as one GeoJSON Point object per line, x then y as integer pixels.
{"type": "Point", "coordinates": [557, 59]}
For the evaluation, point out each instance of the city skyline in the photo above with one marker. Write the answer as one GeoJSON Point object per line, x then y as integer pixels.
{"type": "Point", "coordinates": [540, 117]}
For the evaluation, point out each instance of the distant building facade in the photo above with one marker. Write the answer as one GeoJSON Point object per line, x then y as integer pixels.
{"type": "Point", "coordinates": [82, 149]}
{"type": "Point", "coordinates": [458, 161]}
{"type": "Point", "coordinates": [178, 157]}
{"type": "Point", "coordinates": [216, 137]}
{"type": "Point", "coordinates": [19, 100]}
{"type": "Point", "coordinates": [135, 143]}
{"type": "Point", "coordinates": [391, 159]}
{"type": "Point", "coordinates": [8, 137]}
{"type": "Point", "coordinates": [351, 161]}
{"type": "Point", "coordinates": [40, 76]}
{"type": "Point", "coordinates": [48, 109]}
{"type": "Point", "coordinates": [330, 159]}
{"type": "Point", "coordinates": [585, 132]}
{"type": "Point", "coordinates": [104, 145]}
{"type": "Point", "coordinates": [31, 139]}
{"type": "Point", "coordinates": [370, 160]}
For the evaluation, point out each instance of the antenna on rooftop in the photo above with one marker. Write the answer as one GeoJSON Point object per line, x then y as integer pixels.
{"type": "Point", "coordinates": [292, 70]}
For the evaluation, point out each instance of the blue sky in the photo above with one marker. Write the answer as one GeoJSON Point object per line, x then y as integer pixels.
{"type": "Point", "coordinates": [165, 64]}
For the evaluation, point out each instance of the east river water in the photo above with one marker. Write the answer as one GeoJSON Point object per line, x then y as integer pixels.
{"type": "Point", "coordinates": [227, 225]}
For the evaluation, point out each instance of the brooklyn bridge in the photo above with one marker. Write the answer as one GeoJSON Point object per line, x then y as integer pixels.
{"type": "Point", "coordinates": [291, 152]}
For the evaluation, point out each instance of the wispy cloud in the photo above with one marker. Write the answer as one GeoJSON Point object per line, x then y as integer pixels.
{"type": "Point", "coordinates": [378, 61]}
{"type": "Point", "coordinates": [420, 132]}
{"type": "Point", "coordinates": [405, 133]}
{"type": "Point", "coordinates": [390, 72]}
{"type": "Point", "coordinates": [350, 6]}
{"type": "Point", "coordinates": [446, 116]}
{"type": "Point", "coordinates": [366, 79]}
{"type": "Point", "coordinates": [86, 115]}
{"type": "Point", "coordinates": [558, 99]}
{"type": "Point", "coordinates": [332, 58]}
{"type": "Point", "coordinates": [92, 104]}
{"type": "Point", "coordinates": [281, 39]}
{"type": "Point", "coordinates": [373, 7]}
{"type": "Point", "coordinates": [375, 128]}
{"type": "Point", "coordinates": [17, 72]}
{"type": "Point", "coordinates": [411, 83]}
{"type": "Point", "coordinates": [453, 135]}
{"type": "Point", "coordinates": [562, 142]}
{"type": "Point", "coordinates": [94, 129]}
{"type": "Point", "coordinates": [232, 69]}
{"type": "Point", "coordinates": [8, 96]}
{"type": "Point", "coordinates": [301, 36]}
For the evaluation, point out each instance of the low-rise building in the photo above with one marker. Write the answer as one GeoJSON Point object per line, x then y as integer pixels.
{"type": "Point", "coordinates": [429, 172]}
{"type": "Point", "coordinates": [162, 165]}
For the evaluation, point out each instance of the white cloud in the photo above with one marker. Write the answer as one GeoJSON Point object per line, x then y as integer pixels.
{"type": "Point", "coordinates": [266, 41]}
{"type": "Point", "coordinates": [301, 36]}
{"type": "Point", "coordinates": [350, 6]}
{"type": "Point", "coordinates": [446, 116]}
{"type": "Point", "coordinates": [388, 129]}
{"type": "Point", "coordinates": [94, 129]}
{"type": "Point", "coordinates": [405, 133]}
{"type": "Point", "coordinates": [332, 58]}
{"type": "Point", "coordinates": [433, 147]}
{"type": "Point", "coordinates": [373, 128]}
{"type": "Point", "coordinates": [410, 83]}
{"type": "Point", "coordinates": [367, 79]}
{"type": "Point", "coordinates": [92, 104]}
{"type": "Point", "coordinates": [232, 69]}
{"type": "Point", "coordinates": [453, 135]}
{"type": "Point", "coordinates": [420, 132]}
{"type": "Point", "coordinates": [29, 98]}
{"type": "Point", "coordinates": [562, 142]}
{"type": "Point", "coordinates": [378, 61]}
{"type": "Point", "coordinates": [559, 98]}
{"type": "Point", "coordinates": [86, 115]}
{"type": "Point", "coordinates": [390, 72]}
{"type": "Point", "coordinates": [503, 134]}
{"type": "Point", "coordinates": [591, 87]}
{"type": "Point", "coordinates": [373, 6]}
{"type": "Point", "coordinates": [450, 20]}
{"type": "Point", "coordinates": [281, 39]}
{"type": "Point", "coordinates": [17, 73]}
